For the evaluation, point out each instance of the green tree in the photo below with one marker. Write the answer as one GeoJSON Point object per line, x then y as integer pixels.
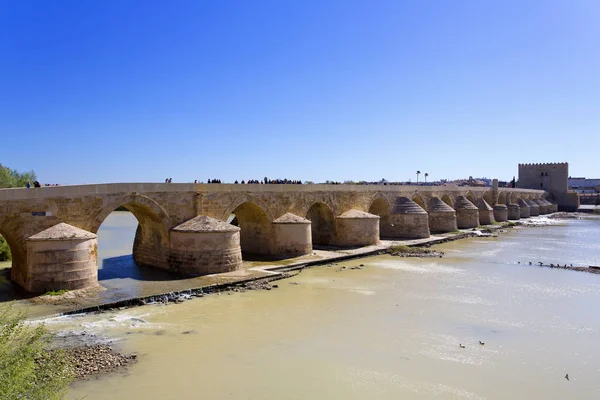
{"type": "Point", "coordinates": [10, 178]}
{"type": "Point", "coordinates": [28, 370]}
{"type": "Point", "coordinates": [4, 250]}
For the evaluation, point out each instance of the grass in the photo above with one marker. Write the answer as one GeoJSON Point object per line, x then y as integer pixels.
{"type": "Point", "coordinates": [401, 249]}
{"type": "Point", "coordinates": [56, 292]}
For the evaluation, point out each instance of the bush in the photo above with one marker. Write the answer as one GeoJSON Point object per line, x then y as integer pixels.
{"type": "Point", "coordinates": [4, 250]}
{"type": "Point", "coordinates": [28, 370]}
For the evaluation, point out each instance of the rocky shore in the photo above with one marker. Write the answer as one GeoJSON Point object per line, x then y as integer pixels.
{"type": "Point", "coordinates": [589, 269]}
{"type": "Point", "coordinates": [421, 252]}
{"type": "Point", "coordinates": [90, 360]}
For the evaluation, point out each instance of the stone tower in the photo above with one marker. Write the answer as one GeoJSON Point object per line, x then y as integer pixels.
{"type": "Point", "coordinates": [553, 178]}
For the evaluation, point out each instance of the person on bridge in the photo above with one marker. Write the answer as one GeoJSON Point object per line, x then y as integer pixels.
{"type": "Point", "coordinates": [28, 185]}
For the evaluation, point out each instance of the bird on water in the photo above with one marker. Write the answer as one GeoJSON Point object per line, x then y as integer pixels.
{"type": "Point", "coordinates": [567, 377]}
{"type": "Point", "coordinates": [462, 346]}
{"type": "Point", "coordinates": [481, 343]}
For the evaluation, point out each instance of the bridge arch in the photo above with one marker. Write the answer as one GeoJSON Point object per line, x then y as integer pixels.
{"type": "Point", "coordinates": [487, 196]}
{"type": "Point", "coordinates": [322, 224]}
{"type": "Point", "coordinates": [381, 206]}
{"type": "Point", "coordinates": [17, 248]}
{"type": "Point", "coordinates": [502, 198]}
{"type": "Point", "coordinates": [448, 199]}
{"type": "Point", "coordinates": [417, 198]}
{"type": "Point", "coordinates": [151, 243]}
{"type": "Point", "coordinates": [255, 227]}
{"type": "Point", "coordinates": [142, 207]}
{"type": "Point", "coordinates": [247, 198]}
{"type": "Point", "coordinates": [471, 197]}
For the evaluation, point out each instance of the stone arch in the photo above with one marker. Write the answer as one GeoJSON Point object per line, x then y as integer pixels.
{"type": "Point", "coordinates": [255, 228]}
{"type": "Point", "coordinates": [141, 206]}
{"type": "Point", "coordinates": [247, 198]}
{"type": "Point", "coordinates": [151, 243]}
{"type": "Point", "coordinates": [487, 196]}
{"type": "Point", "coordinates": [471, 197]}
{"type": "Point", "coordinates": [17, 248]}
{"type": "Point", "coordinates": [448, 199]}
{"type": "Point", "coordinates": [417, 198]}
{"type": "Point", "coordinates": [502, 198]}
{"type": "Point", "coordinates": [322, 223]}
{"type": "Point", "coordinates": [381, 206]}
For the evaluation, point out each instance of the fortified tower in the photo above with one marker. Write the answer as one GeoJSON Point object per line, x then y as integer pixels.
{"type": "Point", "coordinates": [553, 178]}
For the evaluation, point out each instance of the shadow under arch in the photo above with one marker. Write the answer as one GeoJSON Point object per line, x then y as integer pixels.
{"type": "Point", "coordinates": [322, 224]}
{"type": "Point", "coordinates": [417, 198]}
{"type": "Point", "coordinates": [380, 206]}
{"type": "Point", "coordinates": [17, 271]}
{"type": "Point", "coordinates": [448, 200]}
{"type": "Point", "coordinates": [255, 229]}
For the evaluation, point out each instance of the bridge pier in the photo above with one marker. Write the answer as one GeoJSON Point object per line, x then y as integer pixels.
{"type": "Point", "coordinates": [524, 210]}
{"type": "Point", "coordinates": [61, 257]}
{"type": "Point", "coordinates": [500, 212]}
{"type": "Point", "coordinates": [291, 236]}
{"type": "Point", "coordinates": [549, 205]}
{"type": "Point", "coordinates": [205, 245]}
{"type": "Point", "coordinates": [442, 217]}
{"type": "Point", "coordinates": [408, 220]}
{"type": "Point", "coordinates": [543, 207]}
{"type": "Point", "coordinates": [534, 209]}
{"type": "Point", "coordinates": [514, 211]}
{"type": "Point", "coordinates": [467, 215]}
{"type": "Point", "coordinates": [486, 213]}
{"type": "Point", "coordinates": [356, 228]}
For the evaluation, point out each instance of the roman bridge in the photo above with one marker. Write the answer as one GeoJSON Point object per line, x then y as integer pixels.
{"type": "Point", "coordinates": [185, 228]}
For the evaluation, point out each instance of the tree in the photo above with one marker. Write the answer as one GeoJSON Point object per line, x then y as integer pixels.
{"type": "Point", "coordinates": [4, 250]}
{"type": "Point", "coordinates": [28, 370]}
{"type": "Point", "coordinates": [10, 178]}
{"type": "Point", "coordinates": [426, 175]}
{"type": "Point", "coordinates": [418, 173]}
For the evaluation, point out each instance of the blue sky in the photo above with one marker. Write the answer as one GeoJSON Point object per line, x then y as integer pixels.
{"type": "Point", "coordinates": [137, 91]}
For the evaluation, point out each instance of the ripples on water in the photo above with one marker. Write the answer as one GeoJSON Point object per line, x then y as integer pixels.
{"type": "Point", "coordinates": [390, 330]}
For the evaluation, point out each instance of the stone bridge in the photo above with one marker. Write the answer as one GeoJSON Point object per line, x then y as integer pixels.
{"type": "Point", "coordinates": [185, 228]}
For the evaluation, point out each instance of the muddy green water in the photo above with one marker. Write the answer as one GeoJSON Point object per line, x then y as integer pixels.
{"type": "Point", "coordinates": [391, 330]}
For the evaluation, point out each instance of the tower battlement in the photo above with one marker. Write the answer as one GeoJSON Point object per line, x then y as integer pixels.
{"type": "Point", "coordinates": [560, 164]}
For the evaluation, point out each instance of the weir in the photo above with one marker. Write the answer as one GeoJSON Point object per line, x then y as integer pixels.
{"type": "Point", "coordinates": [183, 227]}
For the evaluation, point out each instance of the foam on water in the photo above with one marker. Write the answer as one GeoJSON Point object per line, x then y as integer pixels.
{"type": "Point", "coordinates": [429, 268]}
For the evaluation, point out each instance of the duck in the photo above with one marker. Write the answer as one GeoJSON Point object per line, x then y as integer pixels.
{"type": "Point", "coordinates": [481, 343]}
{"type": "Point", "coordinates": [462, 346]}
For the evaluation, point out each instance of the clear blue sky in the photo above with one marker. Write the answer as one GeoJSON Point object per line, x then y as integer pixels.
{"type": "Point", "coordinates": [137, 91]}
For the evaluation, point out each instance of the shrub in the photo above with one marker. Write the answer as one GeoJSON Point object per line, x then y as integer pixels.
{"type": "Point", "coordinates": [28, 370]}
{"type": "Point", "coordinates": [4, 250]}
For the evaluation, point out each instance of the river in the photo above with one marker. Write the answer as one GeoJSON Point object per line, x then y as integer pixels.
{"type": "Point", "coordinates": [389, 330]}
